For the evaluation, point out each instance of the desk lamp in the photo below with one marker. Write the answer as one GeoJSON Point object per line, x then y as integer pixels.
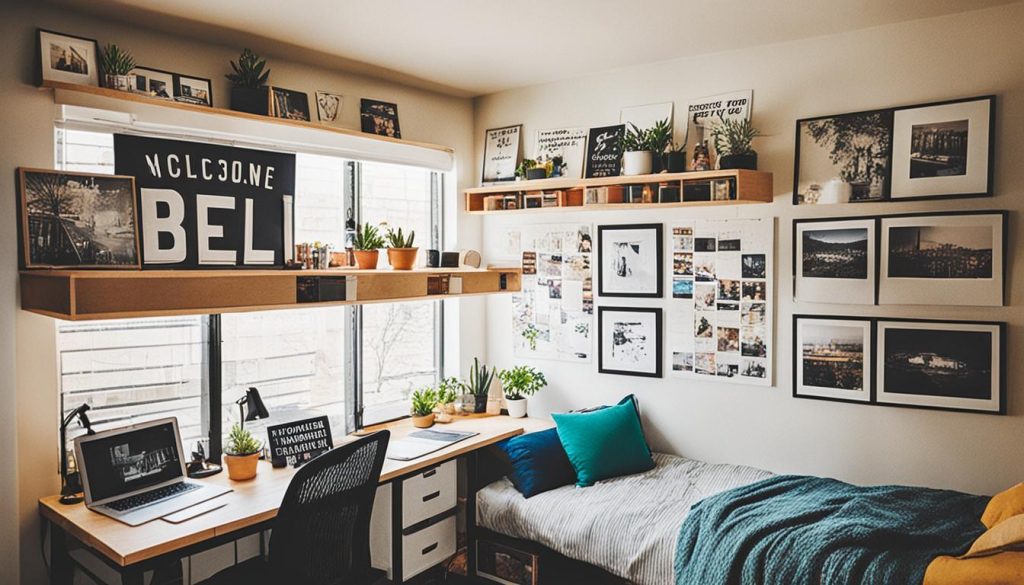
{"type": "Point", "coordinates": [71, 483]}
{"type": "Point", "coordinates": [257, 410]}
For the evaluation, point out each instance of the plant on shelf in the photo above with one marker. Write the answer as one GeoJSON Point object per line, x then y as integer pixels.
{"type": "Point", "coordinates": [733, 140]}
{"type": "Point", "coordinates": [401, 253]}
{"type": "Point", "coordinates": [448, 394]}
{"type": "Point", "coordinates": [423, 402]}
{"type": "Point", "coordinates": [529, 169]}
{"type": "Point", "coordinates": [659, 139]}
{"type": "Point", "coordinates": [366, 246]}
{"type": "Point", "coordinates": [241, 453]}
{"type": "Point", "coordinates": [641, 145]}
{"type": "Point", "coordinates": [518, 384]}
{"type": "Point", "coordinates": [118, 65]}
{"type": "Point", "coordinates": [249, 92]}
{"type": "Point", "coordinates": [479, 384]}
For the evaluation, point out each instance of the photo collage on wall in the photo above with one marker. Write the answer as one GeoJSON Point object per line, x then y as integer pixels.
{"type": "Point", "coordinates": [553, 314]}
{"type": "Point", "coordinates": [720, 314]}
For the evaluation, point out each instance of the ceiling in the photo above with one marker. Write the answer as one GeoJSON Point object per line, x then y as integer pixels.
{"type": "Point", "coordinates": [475, 47]}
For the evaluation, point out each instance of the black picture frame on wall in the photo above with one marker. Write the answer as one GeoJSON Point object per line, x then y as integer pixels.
{"type": "Point", "coordinates": [624, 341]}
{"type": "Point", "coordinates": [630, 260]}
{"type": "Point", "coordinates": [65, 58]}
{"type": "Point", "coordinates": [825, 353]}
{"type": "Point", "coordinates": [835, 260]}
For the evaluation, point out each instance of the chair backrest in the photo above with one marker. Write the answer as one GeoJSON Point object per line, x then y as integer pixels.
{"type": "Point", "coordinates": [322, 532]}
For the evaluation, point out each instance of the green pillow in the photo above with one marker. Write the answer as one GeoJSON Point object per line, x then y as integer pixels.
{"type": "Point", "coordinates": [604, 443]}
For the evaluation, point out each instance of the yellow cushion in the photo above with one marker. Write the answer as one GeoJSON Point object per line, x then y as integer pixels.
{"type": "Point", "coordinates": [1004, 505]}
{"type": "Point", "coordinates": [1007, 535]}
{"type": "Point", "coordinates": [1002, 569]}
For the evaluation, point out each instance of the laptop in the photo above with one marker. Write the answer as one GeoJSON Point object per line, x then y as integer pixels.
{"type": "Point", "coordinates": [136, 474]}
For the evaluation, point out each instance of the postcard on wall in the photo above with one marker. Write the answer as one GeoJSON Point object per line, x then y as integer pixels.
{"type": "Point", "coordinates": [834, 261]}
{"type": "Point", "coordinates": [568, 143]}
{"type": "Point", "coordinates": [720, 315]}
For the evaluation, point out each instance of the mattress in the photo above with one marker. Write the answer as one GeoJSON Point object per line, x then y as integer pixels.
{"type": "Point", "coordinates": [628, 526]}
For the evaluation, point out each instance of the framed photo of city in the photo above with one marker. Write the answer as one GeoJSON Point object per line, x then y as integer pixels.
{"type": "Point", "coordinates": [951, 365]}
{"type": "Point", "coordinates": [833, 358]}
{"type": "Point", "coordinates": [78, 220]}
{"type": "Point", "coordinates": [154, 83]}
{"type": "Point", "coordinates": [629, 341]}
{"type": "Point", "coordinates": [629, 259]}
{"type": "Point", "coordinates": [943, 149]}
{"type": "Point", "coordinates": [193, 90]}
{"type": "Point", "coordinates": [834, 260]}
{"type": "Point", "coordinates": [955, 258]}
{"type": "Point", "coordinates": [67, 58]}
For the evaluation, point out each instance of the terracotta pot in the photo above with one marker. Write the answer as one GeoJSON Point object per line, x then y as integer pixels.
{"type": "Point", "coordinates": [516, 408]}
{"type": "Point", "coordinates": [423, 422]}
{"type": "Point", "coordinates": [367, 259]}
{"type": "Point", "coordinates": [242, 467]}
{"type": "Point", "coordinates": [402, 258]}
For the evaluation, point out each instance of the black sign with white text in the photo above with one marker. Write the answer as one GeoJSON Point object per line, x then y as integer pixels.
{"type": "Point", "coordinates": [204, 205]}
{"type": "Point", "coordinates": [299, 439]}
{"type": "Point", "coordinates": [604, 151]}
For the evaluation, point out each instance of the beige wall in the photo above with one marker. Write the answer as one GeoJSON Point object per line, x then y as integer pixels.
{"type": "Point", "coordinates": [957, 56]}
{"type": "Point", "coordinates": [28, 395]}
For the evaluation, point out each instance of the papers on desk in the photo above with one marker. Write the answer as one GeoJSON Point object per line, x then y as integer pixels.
{"type": "Point", "coordinates": [420, 443]}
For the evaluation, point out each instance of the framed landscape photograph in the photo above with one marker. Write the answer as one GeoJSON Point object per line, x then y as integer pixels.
{"type": "Point", "coordinates": [955, 258]}
{"type": "Point", "coordinates": [832, 358]}
{"type": "Point", "coordinates": [289, 104]}
{"type": "Point", "coordinates": [629, 259]}
{"type": "Point", "coordinates": [951, 365]}
{"type": "Point", "coordinates": [834, 260]}
{"type": "Point", "coordinates": [943, 149]}
{"type": "Point", "coordinates": [154, 83]}
{"type": "Point", "coordinates": [193, 90]}
{"type": "Point", "coordinates": [629, 341]}
{"type": "Point", "coordinates": [843, 158]}
{"type": "Point", "coordinates": [77, 220]}
{"type": "Point", "coordinates": [67, 58]}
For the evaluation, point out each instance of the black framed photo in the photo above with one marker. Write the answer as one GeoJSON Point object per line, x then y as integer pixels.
{"type": "Point", "coordinates": [501, 154]}
{"type": "Point", "coordinates": [604, 151]}
{"type": "Point", "coordinates": [951, 365]}
{"type": "Point", "coordinates": [629, 260]}
{"type": "Point", "coordinates": [67, 58]}
{"type": "Point", "coordinates": [943, 150]}
{"type": "Point", "coordinates": [833, 358]}
{"type": "Point", "coordinates": [154, 83]}
{"type": "Point", "coordinates": [843, 158]}
{"type": "Point", "coordinates": [629, 341]}
{"type": "Point", "coordinates": [77, 220]}
{"type": "Point", "coordinates": [289, 104]}
{"type": "Point", "coordinates": [380, 118]}
{"type": "Point", "coordinates": [834, 260]}
{"type": "Point", "coordinates": [954, 258]}
{"type": "Point", "coordinates": [193, 90]}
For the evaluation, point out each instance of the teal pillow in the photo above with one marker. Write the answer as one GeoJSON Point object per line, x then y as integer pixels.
{"type": "Point", "coordinates": [604, 443]}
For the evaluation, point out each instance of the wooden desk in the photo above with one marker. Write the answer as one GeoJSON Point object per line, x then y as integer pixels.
{"type": "Point", "coordinates": [251, 508]}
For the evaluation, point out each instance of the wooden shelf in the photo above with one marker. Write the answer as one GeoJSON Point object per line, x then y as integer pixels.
{"type": "Point", "coordinates": [79, 295]}
{"type": "Point", "coordinates": [750, 187]}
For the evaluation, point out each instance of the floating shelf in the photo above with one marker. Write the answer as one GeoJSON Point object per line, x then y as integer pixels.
{"type": "Point", "coordinates": [79, 295]}
{"type": "Point", "coordinates": [745, 187]}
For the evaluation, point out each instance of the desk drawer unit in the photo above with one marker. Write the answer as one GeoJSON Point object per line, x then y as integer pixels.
{"type": "Point", "coordinates": [428, 547]}
{"type": "Point", "coordinates": [429, 493]}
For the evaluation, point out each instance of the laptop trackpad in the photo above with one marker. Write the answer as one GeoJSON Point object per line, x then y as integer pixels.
{"type": "Point", "coordinates": [196, 510]}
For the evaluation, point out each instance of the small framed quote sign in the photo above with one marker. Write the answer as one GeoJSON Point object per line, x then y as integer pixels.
{"type": "Point", "coordinates": [299, 441]}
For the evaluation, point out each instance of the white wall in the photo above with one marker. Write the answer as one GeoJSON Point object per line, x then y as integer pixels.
{"type": "Point", "coordinates": [957, 56]}
{"type": "Point", "coordinates": [28, 394]}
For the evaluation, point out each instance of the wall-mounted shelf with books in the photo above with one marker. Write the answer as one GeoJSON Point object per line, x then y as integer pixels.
{"type": "Point", "coordinates": [79, 295]}
{"type": "Point", "coordinates": [725, 187]}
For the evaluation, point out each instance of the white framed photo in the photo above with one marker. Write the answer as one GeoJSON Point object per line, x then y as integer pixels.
{"type": "Point", "coordinates": [194, 90]}
{"type": "Point", "coordinates": [834, 261]}
{"type": "Point", "coordinates": [328, 107]}
{"type": "Point", "coordinates": [154, 82]}
{"type": "Point", "coordinates": [943, 259]}
{"type": "Point", "coordinates": [629, 341]}
{"type": "Point", "coordinates": [832, 358]}
{"type": "Point", "coordinates": [67, 58]}
{"type": "Point", "coordinates": [943, 150]}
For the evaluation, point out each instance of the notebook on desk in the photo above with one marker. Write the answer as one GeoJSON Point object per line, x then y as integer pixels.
{"type": "Point", "coordinates": [420, 443]}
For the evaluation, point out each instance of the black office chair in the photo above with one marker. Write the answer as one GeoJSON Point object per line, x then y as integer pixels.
{"type": "Point", "coordinates": [321, 535]}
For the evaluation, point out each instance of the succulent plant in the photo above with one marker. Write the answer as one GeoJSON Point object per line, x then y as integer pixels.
{"type": "Point", "coordinates": [249, 71]}
{"type": "Point", "coordinates": [423, 401]}
{"type": "Point", "coordinates": [241, 442]}
{"type": "Point", "coordinates": [117, 61]}
{"type": "Point", "coordinates": [480, 378]}
{"type": "Point", "coordinates": [734, 137]}
{"type": "Point", "coordinates": [367, 238]}
{"type": "Point", "coordinates": [396, 239]}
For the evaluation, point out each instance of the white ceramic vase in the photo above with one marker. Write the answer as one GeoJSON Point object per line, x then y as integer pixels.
{"type": "Point", "coordinates": [637, 162]}
{"type": "Point", "coordinates": [516, 408]}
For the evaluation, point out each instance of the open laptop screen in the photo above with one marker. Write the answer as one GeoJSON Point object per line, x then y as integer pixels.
{"type": "Point", "coordinates": [132, 460]}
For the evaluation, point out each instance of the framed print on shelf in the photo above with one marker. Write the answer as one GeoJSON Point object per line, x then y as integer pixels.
{"type": "Point", "coordinates": [629, 259]}
{"type": "Point", "coordinates": [328, 107]}
{"type": "Point", "coordinates": [380, 118]}
{"type": "Point", "coordinates": [67, 58]}
{"type": "Point", "coordinates": [154, 83]}
{"type": "Point", "coordinates": [952, 365]}
{"type": "Point", "coordinates": [943, 149]}
{"type": "Point", "coordinates": [834, 260]}
{"type": "Point", "coordinates": [833, 358]}
{"type": "Point", "coordinates": [77, 220]}
{"type": "Point", "coordinates": [843, 158]}
{"type": "Point", "coordinates": [955, 258]}
{"type": "Point", "coordinates": [604, 152]}
{"type": "Point", "coordinates": [501, 154]}
{"type": "Point", "coordinates": [629, 341]}
{"type": "Point", "coordinates": [193, 90]}
{"type": "Point", "coordinates": [289, 104]}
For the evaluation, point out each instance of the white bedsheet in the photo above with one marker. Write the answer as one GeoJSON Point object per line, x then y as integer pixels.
{"type": "Point", "coordinates": [628, 526]}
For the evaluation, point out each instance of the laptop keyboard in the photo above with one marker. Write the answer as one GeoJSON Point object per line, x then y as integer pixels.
{"type": "Point", "coordinates": [154, 496]}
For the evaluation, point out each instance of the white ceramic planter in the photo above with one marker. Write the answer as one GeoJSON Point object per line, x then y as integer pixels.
{"type": "Point", "coordinates": [637, 163]}
{"type": "Point", "coordinates": [121, 82]}
{"type": "Point", "coordinates": [516, 408]}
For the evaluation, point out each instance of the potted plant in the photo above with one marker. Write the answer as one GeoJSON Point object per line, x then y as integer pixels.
{"type": "Point", "coordinates": [401, 253]}
{"type": "Point", "coordinates": [480, 378]}
{"type": "Point", "coordinates": [423, 402]}
{"type": "Point", "coordinates": [366, 246]}
{"type": "Point", "coordinates": [448, 394]}
{"type": "Point", "coordinates": [675, 159]}
{"type": "Point", "coordinates": [732, 139]}
{"type": "Point", "coordinates": [242, 453]}
{"type": "Point", "coordinates": [118, 65]}
{"type": "Point", "coordinates": [249, 92]}
{"type": "Point", "coordinates": [529, 169]}
{"type": "Point", "coordinates": [659, 140]}
{"type": "Point", "coordinates": [519, 383]}
{"type": "Point", "coordinates": [637, 158]}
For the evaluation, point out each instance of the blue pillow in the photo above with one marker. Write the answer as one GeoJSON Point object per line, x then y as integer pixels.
{"type": "Point", "coordinates": [538, 462]}
{"type": "Point", "coordinates": [604, 443]}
